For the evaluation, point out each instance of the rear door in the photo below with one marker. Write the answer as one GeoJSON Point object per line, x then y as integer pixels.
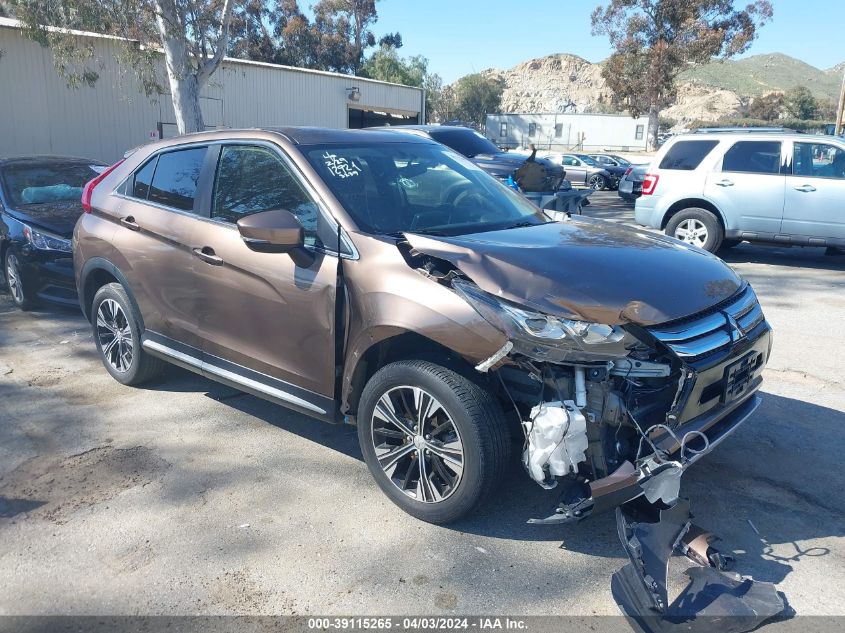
{"type": "Point", "coordinates": [748, 186]}
{"type": "Point", "coordinates": [815, 193]}
{"type": "Point", "coordinates": [267, 318]}
{"type": "Point", "coordinates": [157, 220]}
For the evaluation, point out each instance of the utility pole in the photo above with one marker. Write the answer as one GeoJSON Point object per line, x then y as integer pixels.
{"type": "Point", "coordinates": [840, 111]}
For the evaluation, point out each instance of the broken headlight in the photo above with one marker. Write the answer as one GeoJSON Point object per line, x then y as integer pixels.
{"type": "Point", "coordinates": [546, 337]}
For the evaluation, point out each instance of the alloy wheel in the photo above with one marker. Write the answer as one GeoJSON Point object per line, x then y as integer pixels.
{"type": "Point", "coordinates": [596, 182]}
{"type": "Point", "coordinates": [692, 231]}
{"type": "Point", "coordinates": [13, 278]}
{"type": "Point", "coordinates": [115, 335]}
{"type": "Point", "coordinates": [417, 444]}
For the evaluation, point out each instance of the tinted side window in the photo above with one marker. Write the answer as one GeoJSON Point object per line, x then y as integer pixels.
{"type": "Point", "coordinates": [175, 179]}
{"type": "Point", "coordinates": [753, 157]}
{"type": "Point", "coordinates": [687, 155]}
{"type": "Point", "coordinates": [818, 160]}
{"type": "Point", "coordinates": [253, 179]}
{"type": "Point", "coordinates": [142, 180]}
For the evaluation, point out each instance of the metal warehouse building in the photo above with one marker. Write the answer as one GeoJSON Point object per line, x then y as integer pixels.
{"type": "Point", "coordinates": [566, 132]}
{"type": "Point", "coordinates": [39, 114]}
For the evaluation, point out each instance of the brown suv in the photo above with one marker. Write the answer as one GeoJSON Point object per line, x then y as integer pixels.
{"type": "Point", "coordinates": [386, 281]}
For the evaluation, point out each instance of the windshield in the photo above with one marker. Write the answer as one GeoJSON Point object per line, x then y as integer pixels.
{"type": "Point", "coordinates": [464, 141]}
{"type": "Point", "coordinates": [47, 182]}
{"type": "Point", "coordinates": [622, 162]}
{"type": "Point", "coordinates": [392, 188]}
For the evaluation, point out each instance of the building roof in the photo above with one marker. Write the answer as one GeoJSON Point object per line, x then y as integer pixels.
{"type": "Point", "coordinates": [17, 24]}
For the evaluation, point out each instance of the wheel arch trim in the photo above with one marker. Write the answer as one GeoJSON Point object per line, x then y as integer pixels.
{"type": "Point", "coordinates": [100, 264]}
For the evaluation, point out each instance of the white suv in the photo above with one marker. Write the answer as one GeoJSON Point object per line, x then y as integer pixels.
{"type": "Point", "coordinates": [716, 189]}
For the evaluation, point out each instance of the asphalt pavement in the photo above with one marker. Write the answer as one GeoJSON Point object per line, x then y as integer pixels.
{"type": "Point", "coordinates": [186, 497]}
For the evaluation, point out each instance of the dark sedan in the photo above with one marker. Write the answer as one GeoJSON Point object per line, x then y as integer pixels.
{"type": "Point", "coordinates": [40, 201]}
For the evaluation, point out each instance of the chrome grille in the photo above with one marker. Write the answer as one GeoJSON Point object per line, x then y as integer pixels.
{"type": "Point", "coordinates": [700, 337]}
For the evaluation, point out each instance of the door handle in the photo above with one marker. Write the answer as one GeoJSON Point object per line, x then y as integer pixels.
{"type": "Point", "coordinates": [805, 188]}
{"type": "Point", "coordinates": [206, 254]}
{"type": "Point", "coordinates": [725, 183]}
{"type": "Point", "coordinates": [129, 223]}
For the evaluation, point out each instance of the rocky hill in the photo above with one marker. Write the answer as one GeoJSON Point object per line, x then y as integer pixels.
{"type": "Point", "coordinates": [566, 82]}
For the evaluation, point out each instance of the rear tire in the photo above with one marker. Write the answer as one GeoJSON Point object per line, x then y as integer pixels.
{"type": "Point", "coordinates": [14, 281]}
{"type": "Point", "coordinates": [698, 227]}
{"type": "Point", "coordinates": [465, 424]}
{"type": "Point", "coordinates": [118, 338]}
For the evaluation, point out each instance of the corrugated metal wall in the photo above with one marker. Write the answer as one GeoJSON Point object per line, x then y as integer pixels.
{"type": "Point", "coordinates": [598, 131]}
{"type": "Point", "coordinates": [39, 114]}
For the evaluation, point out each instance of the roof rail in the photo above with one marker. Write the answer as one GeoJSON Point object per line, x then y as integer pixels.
{"type": "Point", "coordinates": [745, 130]}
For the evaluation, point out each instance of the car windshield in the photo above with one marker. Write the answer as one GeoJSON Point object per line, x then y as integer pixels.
{"type": "Point", "coordinates": [464, 141]}
{"type": "Point", "coordinates": [392, 188]}
{"type": "Point", "coordinates": [621, 161]}
{"type": "Point", "coordinates": [47, 182]}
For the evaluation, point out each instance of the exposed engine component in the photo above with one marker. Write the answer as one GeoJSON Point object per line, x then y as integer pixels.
{"type": "Point", "coordinates": [556, 441]}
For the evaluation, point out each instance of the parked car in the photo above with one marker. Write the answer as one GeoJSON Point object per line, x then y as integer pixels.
{"type": "Point", "coordinates": [39, 205]}
{"type": "Point", "coordinates": [717, 189]}
{"type": "Point", "coordinates": [583, 170]}
{"type": "Point", "coordinates": [631, 186]}
{"type": "Point", "coordinates": [384, 280]}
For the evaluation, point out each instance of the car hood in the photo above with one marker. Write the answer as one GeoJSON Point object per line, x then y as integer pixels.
{"type": "Point", "coordinates": [590, 270]}
{"type": "Point", "coordinates": [56, 217]}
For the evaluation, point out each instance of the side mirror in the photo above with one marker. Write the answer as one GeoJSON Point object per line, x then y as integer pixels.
{"type": "Point", "coordinates": [272, 231]}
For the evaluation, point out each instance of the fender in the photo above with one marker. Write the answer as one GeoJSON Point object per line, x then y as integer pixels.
{"type": "Point", "coordinates": [101, 264]}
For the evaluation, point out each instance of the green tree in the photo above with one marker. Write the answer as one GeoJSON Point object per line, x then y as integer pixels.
{"type": "Point", "coordinates": [386, 65]}
{"type": "Point", "coordinates": [193, 34]}
{"type": "Point", "coordinates": [766, 107]}
{"type": "Point", "coordinates": [800, 103]}
{"type": "Point", "coordinates": [343, 33]}
{"type": "Point", "coordinates": [655, 40]}
{"type": "Point", "coordinates": [474, 96]}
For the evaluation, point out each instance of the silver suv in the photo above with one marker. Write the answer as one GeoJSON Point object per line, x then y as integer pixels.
{"type": "Point", "coordinates": [716, 189]}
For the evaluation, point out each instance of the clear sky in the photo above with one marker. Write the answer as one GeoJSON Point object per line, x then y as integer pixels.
{"type": "Point", "coordinates": [464, 36]}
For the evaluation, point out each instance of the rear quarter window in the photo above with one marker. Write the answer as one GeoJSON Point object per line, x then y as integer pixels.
{"type": "Point", "coordinates": [687, 155]}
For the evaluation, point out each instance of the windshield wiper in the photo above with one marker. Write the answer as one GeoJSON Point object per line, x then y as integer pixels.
{"type": "Point", "coordinates": [520, 225]}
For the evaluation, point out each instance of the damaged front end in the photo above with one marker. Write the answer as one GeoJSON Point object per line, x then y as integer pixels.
{"type": "Point", "coordinates": [613, 415]}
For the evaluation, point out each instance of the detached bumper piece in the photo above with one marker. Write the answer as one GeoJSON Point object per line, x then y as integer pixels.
{"type": "Point", "coordinates": [713, 600]}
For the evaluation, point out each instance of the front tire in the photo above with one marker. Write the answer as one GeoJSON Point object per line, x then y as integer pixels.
{"type": "Point", "coordinates": [698, 227]}
{"type": "Point", "coordinates": [14, 281]}
{"type": "Point", "coordinates": [118, 338]}
{"type": "Point", "coordinates": [598, 182]}
{"type": "Point", "coordinates": [435, 442]}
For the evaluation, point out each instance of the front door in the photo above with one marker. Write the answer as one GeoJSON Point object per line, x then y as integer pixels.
{"type": "Point", "coordinates": [157, 220]}
{"type": "Point", "coordinates": [268, 318]}
{"type": "Point", "coordinates": [576, 171]}
{"type": "Point", "coordinates": [749, 187]}
{"type": "Point", "coordinates": [815, 192]}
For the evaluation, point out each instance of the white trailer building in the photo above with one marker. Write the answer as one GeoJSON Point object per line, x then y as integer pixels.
{"type": "Point", "coordinates": [39, 114]}
{"type": "Point", "coordinates": [568, 132]}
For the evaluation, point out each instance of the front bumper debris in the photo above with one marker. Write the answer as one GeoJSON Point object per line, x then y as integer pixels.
{"type": "Point", "coordinates": [713, 600]}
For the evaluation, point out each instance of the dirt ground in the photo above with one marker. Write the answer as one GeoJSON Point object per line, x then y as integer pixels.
{"type": "Point", "coordinates": [186, 497]}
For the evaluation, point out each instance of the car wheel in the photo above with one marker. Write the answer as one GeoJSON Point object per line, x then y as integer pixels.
{"type": "Point", "coordinates": [14, 281]}
{"type": "Point", "coordinates": [598, 182]}
{"type": "Point", "coordinates": [118, 338]}
{"type": "Point", "coordinates": [698, 227]}
{"type": "Point", "coordinates": [435, 442]}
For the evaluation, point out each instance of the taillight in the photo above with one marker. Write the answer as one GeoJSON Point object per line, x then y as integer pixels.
{"type": "Point", "coordinates": [650, 184]}
{"type": "Point", "coordinates": [628, 172]}
{"type": "Point", "coordinates": [88, 190]}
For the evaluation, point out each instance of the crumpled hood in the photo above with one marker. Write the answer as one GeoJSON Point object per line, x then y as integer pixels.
{"type": "Point", "coordinates": [590, 270]}
{"type": "Point", "coordinates": [56, 217]}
